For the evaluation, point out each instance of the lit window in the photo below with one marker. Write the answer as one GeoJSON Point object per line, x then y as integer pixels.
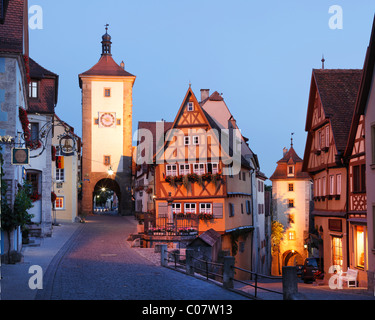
{"type": "Point", "coordinates": [360, 246]}
{"type": "Point", "coordinates": [291, 235]}
{"type": "Point", "coordinates": [337, 257]}
{"type": "Point", "coordinates": [59, 203]}
{"type": "Point", "coordinates": [291, 203]}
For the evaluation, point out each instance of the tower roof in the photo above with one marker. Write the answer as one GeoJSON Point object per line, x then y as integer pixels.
{"type": "Point", "coordinates": [106, 66]}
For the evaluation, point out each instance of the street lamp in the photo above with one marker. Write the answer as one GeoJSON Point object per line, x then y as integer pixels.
{"type": "Point", "coordinates": [110, 171]}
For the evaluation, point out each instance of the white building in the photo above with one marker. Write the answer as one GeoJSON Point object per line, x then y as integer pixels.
{"type": "Point", "coordinates": [291, 196]}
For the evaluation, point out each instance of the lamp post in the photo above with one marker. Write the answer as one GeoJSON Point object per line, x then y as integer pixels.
{"type": "Point", "coordinates": [170, 222]}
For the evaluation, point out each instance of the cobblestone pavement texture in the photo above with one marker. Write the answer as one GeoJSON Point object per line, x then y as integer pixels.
{"type": "Point", "coordinates": [98, 263]}
{"type": "Point", "coordinates": [95, 261]}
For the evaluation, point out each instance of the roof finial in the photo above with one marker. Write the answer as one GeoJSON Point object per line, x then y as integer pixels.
{"type": "Point", "coordinates": [106, 27]}
{"type": "Point", "coordinates": [323, 61]}
{"type": "Point", "coordinates": [291, 140]}
{"type": "Point", "coordinates": [189, 84]}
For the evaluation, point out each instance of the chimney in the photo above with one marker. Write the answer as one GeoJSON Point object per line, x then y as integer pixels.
{"type": "Point", "coordinates": [285, 151]}
{"type": "Point", "coordinates": [122, 65]}
{"type": "Point", "coordinates": [205, 93]}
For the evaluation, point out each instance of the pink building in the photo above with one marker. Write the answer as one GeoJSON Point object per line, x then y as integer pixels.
{"type": "Point", "coordinates": [366, 108]}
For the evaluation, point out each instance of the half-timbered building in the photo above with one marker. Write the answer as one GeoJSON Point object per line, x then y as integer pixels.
{"type": "Point", "coordinates": [361, 156]}
{"type": "Point", "coordinates": [331, 104]}
{"type": "Point", "coordinates": [203, 179]}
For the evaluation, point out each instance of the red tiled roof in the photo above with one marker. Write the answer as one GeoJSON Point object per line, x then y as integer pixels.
{"type": "Point", "coordinates": [215, 97]}
{"type": "Point", "coordinates": [47, 92]}
{"type": "Point", "coordinates": [11, 31]}
{"type": "Point", "coordinates": [106, 66]}
{"type": "Point", "coordinates": [338, 89]}
{"type": "Point", "coordinates": [290, 158]}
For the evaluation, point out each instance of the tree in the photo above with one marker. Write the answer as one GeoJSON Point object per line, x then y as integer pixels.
{"type": "Point", "coordinates": [277, 233]}
{"type": "Point", "coordinates": [12, 218]}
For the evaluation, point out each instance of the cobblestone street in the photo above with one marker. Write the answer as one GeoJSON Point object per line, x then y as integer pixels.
{"type": "Point", "coordinates": [98, 263]}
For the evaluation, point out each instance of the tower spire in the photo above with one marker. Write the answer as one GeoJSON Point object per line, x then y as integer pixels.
{"type": "Point", "coordinates": [106, 42]}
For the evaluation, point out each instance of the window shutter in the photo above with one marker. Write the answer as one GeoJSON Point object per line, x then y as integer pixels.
{"type": "Point", "coordinates": [217, 210]}
{"type": "Point", "coordinates": [163, 209]}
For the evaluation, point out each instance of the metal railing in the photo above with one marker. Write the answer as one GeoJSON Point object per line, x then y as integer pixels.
{"type": "Point", "coordinates": [162, 226]}
{"type": "Point", "coordinates": [210, 270]}
{"type": "Point", "coordinates": [255, 285]}
{"type": "Point", "coordinates": [203, 267]}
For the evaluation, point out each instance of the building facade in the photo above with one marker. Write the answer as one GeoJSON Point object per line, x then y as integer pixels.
{"type": "Point", "coordinates": [42, 100]}
{"type": "Point", "coordinates": [13, 100]}
{"type": "Point", "coordinates": [291, 197]}
{"type": "Point", "coordinates": [107, 122]}
{"type": "Point", "coordinates": [331, 105]}
{"type": "Point", "coordinates": [66, 175]}
{"type": "Point", "coordinates": [195, 177]}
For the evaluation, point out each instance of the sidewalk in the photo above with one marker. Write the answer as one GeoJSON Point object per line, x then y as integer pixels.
{"type": "Point", "coordinates": [307, 291]}
{"type": "Point", "coordinates": [15, 278]}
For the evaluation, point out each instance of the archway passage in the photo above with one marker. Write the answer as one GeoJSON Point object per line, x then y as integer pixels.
{"type": "Point", "coordinates": [292, 258]}
{"type": "Point", "coordinates": [106, 197]}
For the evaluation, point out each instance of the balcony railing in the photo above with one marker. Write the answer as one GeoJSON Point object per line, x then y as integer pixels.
{"type": "Point", "coordinates": [182, 225]}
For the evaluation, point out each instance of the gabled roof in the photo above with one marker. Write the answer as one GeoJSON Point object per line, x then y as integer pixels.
{"type": "Point", "coordinates": [338, 90]}
{"type": "Point", "coordinates": [364, 90]}
{"type": "Point", "coordinates": [106, 66]}
{"type": "Point", "coordinates": [289, 158]}
{"type": "Point", "coordinates": [47, 91]}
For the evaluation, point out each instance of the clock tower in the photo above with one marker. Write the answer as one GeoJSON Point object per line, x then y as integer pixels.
{"type": "Point", "coordinates": [106, 130]}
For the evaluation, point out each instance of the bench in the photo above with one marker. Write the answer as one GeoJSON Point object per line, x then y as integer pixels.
{"type": "Point", "coordinates": [349, 276]}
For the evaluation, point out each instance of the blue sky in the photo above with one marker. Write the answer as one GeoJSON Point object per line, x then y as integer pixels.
{"type": "Point", "coordinates": [259, 54]}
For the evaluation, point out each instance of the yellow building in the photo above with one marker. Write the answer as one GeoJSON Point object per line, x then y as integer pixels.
{"type": "Point", "coordinates": [66, 176]}
{"type": "Point", "coordinates": [291, 196]}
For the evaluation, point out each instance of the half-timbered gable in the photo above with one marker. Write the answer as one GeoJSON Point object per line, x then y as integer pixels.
{"type": "Point", "coordinates": [331, 106]}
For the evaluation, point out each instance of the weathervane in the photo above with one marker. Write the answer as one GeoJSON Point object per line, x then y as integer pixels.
{"type": "Point", "coordinates": [106, 27]}
{"type": "Point", "coordinates": [291, 139]}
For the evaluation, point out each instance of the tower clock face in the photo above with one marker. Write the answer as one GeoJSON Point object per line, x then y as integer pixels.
{"type": "Point", "coordinates": [107, 119]}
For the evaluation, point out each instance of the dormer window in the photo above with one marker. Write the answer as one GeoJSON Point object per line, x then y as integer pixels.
{"type": "Point", "coordinates": [290, 171]}
{"type": "Point", "coordinates": [33, 89]}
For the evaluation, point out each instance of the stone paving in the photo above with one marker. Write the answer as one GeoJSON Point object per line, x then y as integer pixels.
{"type": "Point", "coordinates": [97, 263]}
{"type": "Point", "coordinates": [94, 261]}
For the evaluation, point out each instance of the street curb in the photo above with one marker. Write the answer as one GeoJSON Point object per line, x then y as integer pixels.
{"type": "Point", "coordinates": [49, 275]}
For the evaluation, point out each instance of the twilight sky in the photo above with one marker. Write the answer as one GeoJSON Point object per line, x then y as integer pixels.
{"type": "Point", "coordinates": [259, 54]}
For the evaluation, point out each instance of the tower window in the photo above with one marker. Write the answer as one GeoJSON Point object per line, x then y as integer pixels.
{"type": "Point", "coordinates": [107, 92]}
{"type": "Point", "coordinates": [107, 160]}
